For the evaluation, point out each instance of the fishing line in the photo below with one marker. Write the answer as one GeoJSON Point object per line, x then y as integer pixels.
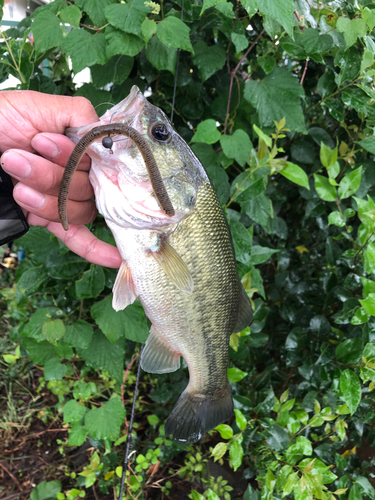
{"type": "Point", "coordinates": [176, 72]}
{"type": "Point", "coordinates": [129, 437]}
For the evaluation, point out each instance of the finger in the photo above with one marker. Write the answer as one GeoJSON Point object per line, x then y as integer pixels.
{"type": "Point", "coordinates": [43, 175]}
{"type": "Point", "coordinates": [58, 148]}
{"type": "Point", "coordinates": [80, 240]}
{"type": "Point", "coordinates": [45, 206]}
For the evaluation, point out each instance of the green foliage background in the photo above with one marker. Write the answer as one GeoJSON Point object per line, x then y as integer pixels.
{"type": "Point", "coordinates": [276, 98]}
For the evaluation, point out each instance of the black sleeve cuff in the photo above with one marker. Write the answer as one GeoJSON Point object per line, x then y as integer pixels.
{"type": "Point", "coordinates": [13, 223]}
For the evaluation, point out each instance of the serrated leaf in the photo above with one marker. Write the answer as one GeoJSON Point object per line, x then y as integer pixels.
{"type": "Point", "coordinates": [275, 97]}
{"type": "Point", "coordinates": [148, 28]}
{"type": "Point", "coordinates": [350, 183]}
{"type": "Point", "coordinates": [296, 174]}
{"type": "Point", "coordinates": [73, 411]}
{"type": "Point", "coordinates": [104, 355]}
{"type": "Point", "coordinates": [91, 283]}
{"type": "Point", "coordinates": [236, 454]}
{"type": "Point", "coordinates": [351, 389]}
{"type": "Point", "coordinates": [54, 370]}
{"type": "Point", "coordinates": [65, 266]}
{"type": "Point", "coordinates": [119, 42]}
{"type": "Point", "coordinates": [46, 490]}
{"type": "Point", "coordinates": [174, 33]}
{"type": "Point", "coordinates": [160, 56]}
{"type": "Point", "coordinates": [237, 146]}
{"type": "Point", "coordinates": [39, 352]}
{"type": "Point", "coordinates": [128, 17]}
{"type": "Point", "coordinates": [116, 70]}
{"type": "Point", "coordinates": [34, 326]}
{"type": "Point", "coordinates": [29, 282]}
{"type": "Point", "coordinates": [130, 323]}
{"type": "Point", "coordinates": [240, 42]}
{"type": "Point", "coordinates": [71, 15]}
{"type": "Point", "coordinates": [105, 422]}
{"type": "Point", "coordinates": [207, 132]}
{"type": "Point", "coordinates": [84, 49]}
{"type": "Point", "coordinates": [53, 330]}
{"type": "Point", "coordinates": [325, 190]}
{"type": "Point", "coordinates": [77, 435]}
{"type": "Point", "coordinates": [95, 9]}
{"type": "Point", "coordinates": [209, 60]}
{"type": "Point", "coordinates": [47, 31]}
{"type": "Point", "coordinates": [351, 29]}
{"type": "Point", "coordinates": [79, 334]}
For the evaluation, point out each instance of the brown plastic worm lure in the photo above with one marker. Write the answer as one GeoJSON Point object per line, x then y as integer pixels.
{"type": "Point", "coordinates": [145, 150]}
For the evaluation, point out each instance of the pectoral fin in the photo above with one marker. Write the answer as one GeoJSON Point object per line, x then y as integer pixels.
{"type": "Point", "coordinates": [174, 267]}
{"type": "Point", "coordinates": [123, 290]}
{"type": "Point", "coordinates": [157, 356]}
{"type": "Point", "coordinates": [245, 312]}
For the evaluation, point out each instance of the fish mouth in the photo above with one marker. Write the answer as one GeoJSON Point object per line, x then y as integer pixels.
{"type": "Point", "coordinates": [128, 111]}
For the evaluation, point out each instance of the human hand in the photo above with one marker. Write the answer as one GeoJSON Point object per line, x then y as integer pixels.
{"type": "Point", "coordinates": [31, 122]}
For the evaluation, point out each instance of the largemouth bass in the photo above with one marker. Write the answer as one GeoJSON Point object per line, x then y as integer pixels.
{"type": "Point", "coordinates": [181, 267]}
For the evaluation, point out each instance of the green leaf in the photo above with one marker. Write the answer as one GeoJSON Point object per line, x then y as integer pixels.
{"type": "Point", "coordinates": [148, 28]}
{"type": "Point", "coordinates": [39, 243]}
{"type": "Point", "coordinates": [105, 422]}
{"type": "Point", "coordinates": [240, 420]}
{"type": "Point", "coordinates": [340, 429]}
{"type": "Point", "coordinates": [160, 56]}
{"type": "Point", "coordinates": [219, 451]}
{"type": "Point", "coordinates": [207, 132]}
{"type": "Point", "coordinates": [226, 432]}
{"type": "Point", "coordinates": [236, 454]}
{"type": "Point", "coordinates": [91, 283]}
{"type": "Point", "coordinates": [237, 146]}
{"type": "Point", "coordinates": [77, 435]}
{"type": "Point", "coordinates": [350, 351]}
{"type": "Point", "coordinates": [39, 352]}
{"type": "Point", "coordinates": [368, 15]}
{"type": "Point", "coordinates": [153, 419]}
{"type": "Point", "coordinates": [366, 486]}
{"type": "Point", "coordinates": [235, 374]}
{"type": "Point", "coordinates": [104, 355]}
{"type": "Point", "coordinates": [325, 190]}
{"type": "Point", "coordinates": [267, 63]}
{"type": "Point", "coordinates": [174, 33]}
{"type": "Point", "coordinates": [73, 411]}
{"type": "Point", "coordinates": [351, 389]}
{"type": "Point", "coordinates": [34, 326]}
{"type": "Point", "coordinates": [54, 370]}
{"type": "Point", "coordinates": [355, 493]}
{"type": "Point", "coordinates": [242, 241]}
{"type": "Point", "coordinates": [53, 330]}
{"type": "Point", "coordinates": [277, 96]}
{"type": "Point", "coordinates": [207, 4]}
{"type": "Point", "coordinates": [79, 334]}
{"type": "Point", "coordinates": [314, 42]}
{"type": "Point", "coordinates": [336, 219]}
{"type": "Point", "coordinates": [328, 156]}
{"type": "Point", "coordinates": [116, 70]}
{"type": "Point", "coordinates": [209, 60]}
{"type": "Point", "coordinates": [30, 282]}
{"type": "Point", "coordinates": [368, 304]}
{"type": "Point", "coordinates": [351, 28]}
{"type": "Point", "coordinates": [128, 17]}
{"type": "Point", "coordinates": [261, 254]}
{"type": "Point", "coordinates": [130, 323]}
{"type": "Point", "coordinates": [350, 183]}
{"type": "Point", "coordinates": [262, 136]}
{"type": "Point", "coordinates": [85, 49]}
{"type": "Point", "coordinates": [277, 438]}
{"type": "Point", "coordinates": [47, 32]}
{"type": "Point", "coordinates": [296, 174]}
{"type": "Point", "coordinates": [119, 42]}
{"type": "Point", "coordinates": [249, 192]}
{"type": "Point", "coordinates": [71, 15]}
{"type": "Point", "coordinates": [65, 266]}
{"type": "Point", "coordinates": [95, 9]}
{"type": "Point", "coordinates": [240, 42]}
{"type": "Point", "coordinates": [46, 490]}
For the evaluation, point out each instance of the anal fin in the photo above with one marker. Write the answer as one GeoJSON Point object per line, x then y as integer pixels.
{"type": "Point", "coordinates": [174, 267]}
{"type": "Point", "coordinates": [123, 290]}
{"type": "Point", "coordinates": [157, 356]}
{"type": "Point", "coordinates": [245, 312]}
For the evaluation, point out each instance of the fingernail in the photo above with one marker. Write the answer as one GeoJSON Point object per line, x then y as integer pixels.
{"type": "Point", "coordinates": [45, 146]}
{"type": "Point", "coordinates": [29, 196]}
{"type": "Point", "coordinates": [16, 164]}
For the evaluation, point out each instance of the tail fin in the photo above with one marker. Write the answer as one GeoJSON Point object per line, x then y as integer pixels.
{"type": "Point", "coordinates": [195, 414]}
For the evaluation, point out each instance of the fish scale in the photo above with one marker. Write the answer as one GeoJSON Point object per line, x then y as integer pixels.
{"type": "Point", "coordinates": [182, 268]}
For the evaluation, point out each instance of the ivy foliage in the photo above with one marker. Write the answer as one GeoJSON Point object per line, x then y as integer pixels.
{"type": "Point", "coordinates": [276, 98]}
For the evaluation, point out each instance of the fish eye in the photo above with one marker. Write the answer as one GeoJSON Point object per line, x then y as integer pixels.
{"type": "Point", "coordinates": [160, 132]}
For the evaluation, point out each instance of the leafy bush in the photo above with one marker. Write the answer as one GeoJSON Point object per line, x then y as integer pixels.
{"type": "Point", "coordinates": [276, 98]}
